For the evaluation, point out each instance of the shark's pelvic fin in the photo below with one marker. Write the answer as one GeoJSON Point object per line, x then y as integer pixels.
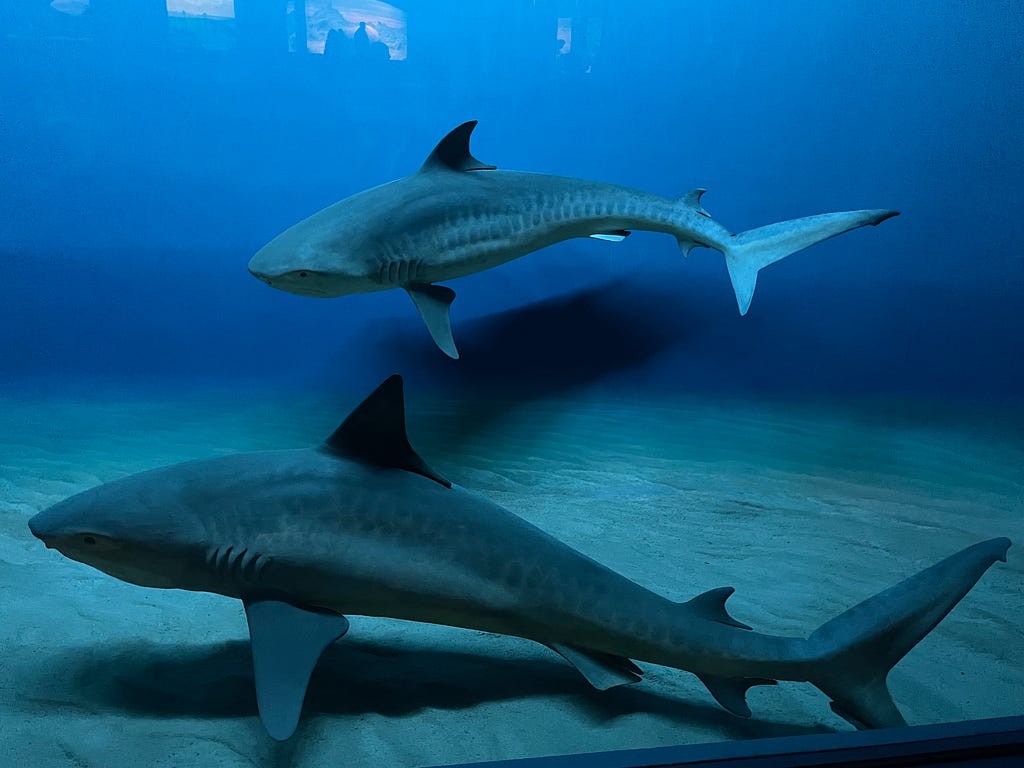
{"type": "Point", "coordinates": [750, 251]}
{"type": "Point", "coordinates": [857, 649]}
{"type": "Point", "coordinates": [434, 303]}
{"type": "Point", "coordinates": [287, 642]}
{"type": "Point", "coordinates": [602, 670]}
{"type": "Point", "coordinates": [731, 692]}
{"type": "Point", "coordinates": [452, 152]}
{"type": "Point", "coordinates": [711, 606]}
{"type": "Point", "coordinates": [375, 433]}
{"type": "Point", "coordinates": [612, 236]}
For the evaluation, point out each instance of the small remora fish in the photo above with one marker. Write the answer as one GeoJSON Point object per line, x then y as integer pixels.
{"type": "Point", "coordinates": [362, 525]}
{"type": "Point", "coordinates": [456, 216]}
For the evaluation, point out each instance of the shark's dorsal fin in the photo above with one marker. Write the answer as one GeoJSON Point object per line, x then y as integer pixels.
{"type": "Point", "coordinates": [287, 642]}
{"type": "Point", "coordinates": [375, 433]}
{"type": "Point", "coordinates": [452, 152]}
{"type": "Point", "coordinates": [711, 606]}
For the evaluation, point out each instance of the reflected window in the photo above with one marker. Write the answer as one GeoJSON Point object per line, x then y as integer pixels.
{"type": "Point", "coordinates": [356, 28]}
{"type": "Point", "coordinates": [70, 7]}
{"type": "Point", "coordinates": [208, 24]}
{"type": "Point", "coordinates": [577, 41]}
{"type": "Point", "coordinates": [564, 36]}
{"type": "Point", "coordinates": [202, 9]}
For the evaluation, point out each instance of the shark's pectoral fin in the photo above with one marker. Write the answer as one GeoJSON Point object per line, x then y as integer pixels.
{"type": "Point", "coordinates": [602, 670]}
{"type": "Point", "coordinates": [286, 644]}
{"type": "Point", "coordinates": [612, 235]}
{"type": "Point", "coordinates": [434, 303]}
{"type": "Point", "coordinates": [375, 433]}
{"type": "Point", "coordinates": [711, 606]}
{"type": "Point", "coordinates": [731, 692]}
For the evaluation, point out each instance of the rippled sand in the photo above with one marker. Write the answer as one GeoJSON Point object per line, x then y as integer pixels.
{"type": "Point", "coordinates": [805, 510]}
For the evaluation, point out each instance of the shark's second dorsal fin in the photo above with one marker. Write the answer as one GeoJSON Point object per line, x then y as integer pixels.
{"type": "Point", "coordinates": [452, 152]}
{"type": "Point", "coordinates": [375, 433]}
{"type": "Point", "coordinates": [692, 199]}
{"type": "Point", "coordinates": [710, 605]}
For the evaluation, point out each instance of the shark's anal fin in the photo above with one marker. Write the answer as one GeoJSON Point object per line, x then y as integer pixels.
{"type": "Point", "coordinates": [731, 692]}
{"type": "Point", "coordinates": [710, 606]}
{"type": "Point", "coordinates": [686, 245]}
{"type": "Point", "coordinates": [452, 152]}
{"type": "Point", "coordinates": [287, 642]}
{"type": "Point", "coordinates": [375, 433]}
{"type": "Point", "coordinates": [602, 670]}
{"type": "Point", "coordinates": [434, 303]}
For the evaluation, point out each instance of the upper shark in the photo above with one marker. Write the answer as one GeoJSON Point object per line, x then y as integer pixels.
{"type": "Point", "coordinates": [363, 525]}
{"type": "Point", "coordinates": [456, 216]}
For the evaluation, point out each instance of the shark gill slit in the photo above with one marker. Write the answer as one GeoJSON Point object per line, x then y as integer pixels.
{"type": "Point", "coordinates": [222, 557]}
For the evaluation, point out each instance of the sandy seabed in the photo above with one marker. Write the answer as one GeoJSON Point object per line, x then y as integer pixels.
{"type": "Point", "coordinates": [804, 510]}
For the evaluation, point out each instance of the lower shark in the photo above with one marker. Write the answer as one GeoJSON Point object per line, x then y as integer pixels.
{"type": "Point", "coordinates": [457, 216]}
{"type": "Point", "coordinates": [362, 525]}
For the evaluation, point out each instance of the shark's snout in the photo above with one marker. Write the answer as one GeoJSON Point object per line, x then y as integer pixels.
{"type": "Point", "coordinates": [36, 527]}
{"type": "Point", "coordinates": [46, 527]}
{"type": "Point", "coordinates": [260, 276]}
{"type": "Point", "coordinates": [303, 282]}
{"type": "Point", "coordinates": [41, 528]}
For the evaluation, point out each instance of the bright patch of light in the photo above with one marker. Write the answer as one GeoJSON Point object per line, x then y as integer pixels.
{"type": "Point", "coordinates": [211, 9]}
{"type": "Point", "coordinates": [384, 23]}
{"type": "Point", "coordinates": [70, 7]}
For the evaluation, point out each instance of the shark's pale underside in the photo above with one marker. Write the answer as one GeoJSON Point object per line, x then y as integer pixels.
{"type": "Point", "coordinates": [362, 525]}
{"type": "Point", "coordinates": [456, 216]}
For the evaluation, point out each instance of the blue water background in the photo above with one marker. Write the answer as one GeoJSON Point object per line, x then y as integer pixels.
{"type": "Point", "coordinates": [140, 172]}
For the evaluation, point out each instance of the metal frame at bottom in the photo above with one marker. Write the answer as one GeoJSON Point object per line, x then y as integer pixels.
{"type": "Point", "coordinates": [995, 743]}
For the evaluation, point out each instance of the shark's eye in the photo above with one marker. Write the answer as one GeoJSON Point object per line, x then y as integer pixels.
{"type": "Point", "coordinates": [89, 539]}
{"type": "Point", "coordinates": [303, 274]}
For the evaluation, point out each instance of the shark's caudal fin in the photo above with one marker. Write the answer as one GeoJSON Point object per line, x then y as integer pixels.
{"type": "Point", "coordinates": [857, 649]}
{"type": "Point", "coordinates": [750, 251]}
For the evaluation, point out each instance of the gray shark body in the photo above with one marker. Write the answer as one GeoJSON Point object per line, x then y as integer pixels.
{"type": "Point", "coordinates": [456, 216]}
{"type": "Point", "coordinates": [361, 525]}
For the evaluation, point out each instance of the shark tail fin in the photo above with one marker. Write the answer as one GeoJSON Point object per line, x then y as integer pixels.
{"type": "Point", "coordinates": [748, 252]}
{"type": "Point", "coordinates": [856, 650]}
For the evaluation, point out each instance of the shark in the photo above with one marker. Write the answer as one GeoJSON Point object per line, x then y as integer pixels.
{"type": "Point", "coordinates": [456, 216]}
{"type": "Point", "coordinates": [362, 525]}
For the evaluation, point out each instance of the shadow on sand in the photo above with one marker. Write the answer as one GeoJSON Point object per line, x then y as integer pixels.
{"type": "Point", "coordinates": [543, 351]}
{"type": "Point", "coordinates": [354, 678]}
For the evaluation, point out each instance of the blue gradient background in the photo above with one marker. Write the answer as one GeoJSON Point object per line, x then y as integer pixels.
{"type": "Point", "coordinates": [140, 174]}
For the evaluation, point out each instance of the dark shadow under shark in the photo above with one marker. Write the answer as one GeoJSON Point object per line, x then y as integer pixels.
{"type": "Point", "coordinates": [352, 679]}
